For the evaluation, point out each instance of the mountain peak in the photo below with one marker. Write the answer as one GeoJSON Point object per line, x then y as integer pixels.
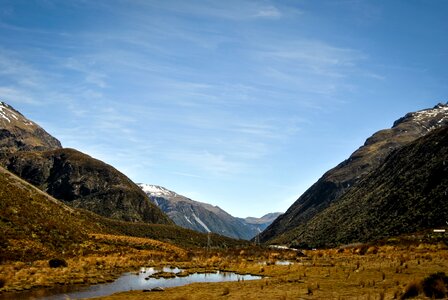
{"type": "Point", "coordinates": [429, 119]}
{"type": "Point", "coordinates": [17, 133]}
{"type": "Point", "coordinates": [156, 190]}
{"type": "Point", "coordinates": [10, 116]}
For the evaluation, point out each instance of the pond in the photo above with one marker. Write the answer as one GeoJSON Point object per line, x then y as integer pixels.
{"type": "Point", "coordinates": [126, 282]}
{"type": "Point", "coordinates": [277, 263]}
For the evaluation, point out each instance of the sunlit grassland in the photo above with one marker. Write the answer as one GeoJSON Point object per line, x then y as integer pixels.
{"type": "Point", "coordinates": [381, 273]}
{"type": "Point", "coordinates": [359, 272]}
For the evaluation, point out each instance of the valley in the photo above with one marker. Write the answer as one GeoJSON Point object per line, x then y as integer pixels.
{"type": "Point", "coordinates": [71, 222]}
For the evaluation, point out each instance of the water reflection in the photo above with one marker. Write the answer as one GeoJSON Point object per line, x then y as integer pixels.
{"type": "Point", "coordinates": [127, 282]}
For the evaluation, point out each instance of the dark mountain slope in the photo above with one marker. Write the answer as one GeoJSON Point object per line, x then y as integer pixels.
{"type": "Point", "coordinates": [409, 192]}
{"type": "Point", "coordinates": [84, 182]}
{"type": "Point", "coordinates": [17, 133]}
{"type": "Point", "coordinates": [370, 156]}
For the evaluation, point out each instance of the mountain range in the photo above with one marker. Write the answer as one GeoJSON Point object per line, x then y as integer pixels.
{"type": "Point", "coordinates": [396, 183]}
{"type": "Point", "coordinates": [70, 175]}
{"type": "Point", "coordinates": [204, 217]}
{"type": "Point", "coordinates": [81, 181]}
{"type": "Point", "coordinates": [368, 196]}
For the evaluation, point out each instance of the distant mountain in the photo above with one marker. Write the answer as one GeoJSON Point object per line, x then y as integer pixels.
{"type": "Point", "coordinates": [260, 224]}
{"type": "Point", "coordinates": [202, 217]}
{"type": "Point", "coordinates": [17, 133]}
{"type": "Point", "coordinates": [338, 181]}
{"type": "Point", "coordinates": [69, 175]}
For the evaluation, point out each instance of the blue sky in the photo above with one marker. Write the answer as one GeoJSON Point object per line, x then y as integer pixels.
{"type": "Point", "coordinates": [242, 104]}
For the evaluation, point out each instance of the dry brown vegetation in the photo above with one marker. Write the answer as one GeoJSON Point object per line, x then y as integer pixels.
{"type": "Point", "coordinates": [384, 272]}
{"type": "Point", "coordinates": [361, 272]}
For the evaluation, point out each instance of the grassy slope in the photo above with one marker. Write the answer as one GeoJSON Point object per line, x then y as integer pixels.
{"type": "Point", "coordinates": [36, 226]}
{"type": "Point", "coordinates": [406, 194]}
{"type": "Point", "coordinates": [33, 224]}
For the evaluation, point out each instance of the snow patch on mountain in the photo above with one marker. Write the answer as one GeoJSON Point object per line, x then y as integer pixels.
{"type": "Point", "coordinates": [200, 222]}
{"type": "Point", "coordinates": [188, 220]}
{"type": "Point", "coordinates": [155, 190]}
{"type": "Point", "coordinates": [7, 113]}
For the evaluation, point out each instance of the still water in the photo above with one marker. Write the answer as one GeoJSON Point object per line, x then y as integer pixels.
{"type": "Point", "coordinates": [126, 282]}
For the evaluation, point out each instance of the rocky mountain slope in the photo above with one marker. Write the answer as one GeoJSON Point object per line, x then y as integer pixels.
{"type": "Point", "coordinates": [17, 133]}
{"type": "Point", "coordinates": [84, 182]}
{"type": "Point", "coordinates": [203, 217]}
{"type": "Point", "coordinates": [407, 193]}
{"type": "Point", "coordinates": [337, 181]}
{"type": "Point", "coordinates": [69, 175]}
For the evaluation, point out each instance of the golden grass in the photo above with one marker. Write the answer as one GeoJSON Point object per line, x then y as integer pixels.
{"type": "Point", "coordinates": [375, 272]}
{"type": "Point", "coordinates": [100, 259]}
{"type": "Point", "coordinates": [323, 274]}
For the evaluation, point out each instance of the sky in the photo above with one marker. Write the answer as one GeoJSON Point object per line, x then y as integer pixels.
{"type": "Point", "coordinates": [242, 104]}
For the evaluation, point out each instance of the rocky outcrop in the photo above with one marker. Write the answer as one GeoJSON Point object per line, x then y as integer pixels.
{"type": "Point", "coordinates": [84, 182]}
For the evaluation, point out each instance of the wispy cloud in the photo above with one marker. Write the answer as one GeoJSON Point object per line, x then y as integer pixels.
{"type": "Point", "coordinates": [268, 12]}
{"type": "Point", "coordinates": [232, 9]}
{"type": "Point", "coordinates": [314, 56]}
{"type": "Point", "coordinates": [215, 164]}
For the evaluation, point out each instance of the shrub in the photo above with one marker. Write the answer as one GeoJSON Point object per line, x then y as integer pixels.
{"type": "Point", "coordinates": [412, 290]}
{"type": "Point", "coordinates": [57, 263]}
{"type": "Point", "coordinates": [436, 285]}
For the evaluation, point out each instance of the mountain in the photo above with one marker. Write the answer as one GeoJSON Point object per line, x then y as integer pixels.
{"type": "Point", "coordinates": [406, 194]}
{"type": "Point", "coordinates": [17, 133]}
{"type": "Point", "coordinates": [36, 226]}
{"type": "Point", "coordinates": [260, 224]}
{"type": "Point", "coordinates": [69, 175]}
{"type": "Point", "coordinates": [202, 217]}
{"type": "Point", "coordinates": [84, 182]}
{"type": "Point", "coordinates": [337, 181]}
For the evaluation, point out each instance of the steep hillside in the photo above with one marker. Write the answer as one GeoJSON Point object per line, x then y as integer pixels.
{"type": "Point", "coordinates": [406, 194]}
{"type": "Point", "coordinates": [17, 133]}
{"type": "Point", "coordinates": [84, 182]}
{"type": "Point", "coordinates": [199, 216]}
{"type": "Point", "coordinates": [367, 158]}
{"type": "Point", "coordinates": [35, 225]}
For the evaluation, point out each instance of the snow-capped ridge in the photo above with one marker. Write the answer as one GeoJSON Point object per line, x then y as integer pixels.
{"type": "Point", "coordinates": [10, 115]}
{"type": "Point", "coordinates": [156, 190]}
{"type": "Point", "coordinates": [429, 119]}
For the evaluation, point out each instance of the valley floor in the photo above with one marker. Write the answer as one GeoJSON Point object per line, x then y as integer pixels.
{"type": "Point", "coordinates": [382, 273]}
{"type": "Point", "coordinates": [359, 272]}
